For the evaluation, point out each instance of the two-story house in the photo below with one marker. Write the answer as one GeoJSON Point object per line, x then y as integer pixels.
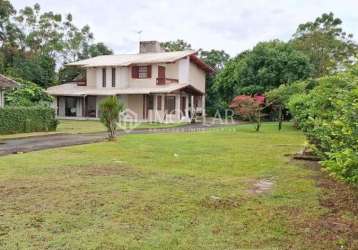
{"type": "Point", "coordinates": [153, 85]}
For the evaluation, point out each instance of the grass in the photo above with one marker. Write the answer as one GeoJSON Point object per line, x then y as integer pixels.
{"type": "Point", "coordinates": [165, 191]}
{"type": "Point", "coordinates": [88, 126]}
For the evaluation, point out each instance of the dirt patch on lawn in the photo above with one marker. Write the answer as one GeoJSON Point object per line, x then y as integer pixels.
{"type": "Point", "coordinates": [338, 225]}
{"type": "Point", "coordinates": [260, 186]}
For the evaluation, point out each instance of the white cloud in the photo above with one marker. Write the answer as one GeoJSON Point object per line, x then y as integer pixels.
{"type": "Point", "coordinates": [220, 24]}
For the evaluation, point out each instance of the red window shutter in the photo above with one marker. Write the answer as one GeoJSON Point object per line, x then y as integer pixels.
{"type": "Point", "coordinates": [135, 72]}
{"type": "Point", "coordinates": [149, 71]}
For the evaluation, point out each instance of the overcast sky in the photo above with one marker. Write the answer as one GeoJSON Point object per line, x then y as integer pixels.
{"type": "Point", "coordinates": [209, 24]}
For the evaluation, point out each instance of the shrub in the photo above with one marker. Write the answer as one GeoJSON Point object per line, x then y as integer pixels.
{"type": "Point", "coordinates": [27, 119]}
{"type": "Point", "coordinates": [28, 94]}
{"type": "Point", "coordinates": [328, 115]}
{"type": "Point", "coordinates": [110, 108]}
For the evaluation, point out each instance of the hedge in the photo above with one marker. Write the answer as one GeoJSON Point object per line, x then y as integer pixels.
{"type": "Point", "coordinates": [27, 119]}
{"type": "Point", "coordinates": [328, 115]}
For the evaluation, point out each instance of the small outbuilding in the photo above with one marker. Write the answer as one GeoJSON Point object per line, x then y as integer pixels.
{"type": "Point", "coordinates": [5, 84]}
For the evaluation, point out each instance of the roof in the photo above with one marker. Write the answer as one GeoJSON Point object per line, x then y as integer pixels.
{"type": "Point", "coordinates": [72, 89]}
{"type": "Point", "coordinates": [141, 58]}
{"type": "Point", "coordinates": [6, 82]}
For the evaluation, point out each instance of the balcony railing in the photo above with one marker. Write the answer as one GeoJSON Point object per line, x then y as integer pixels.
{"type": "Point", "coordinates": [163, 81]}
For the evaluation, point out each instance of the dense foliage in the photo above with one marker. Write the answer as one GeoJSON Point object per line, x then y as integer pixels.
{"type": "Point", "coordinates": [34, 44]}
{"type": "Point", "coordinates": [109, 110]}
{"type": "Point", "coordinates": [265, 67]}
{"type": "Point", "coordinates": [328, 115]}
{"type": "Point", "coordinates": [27, 94]}
{"type": "Point", "coordinates": [27, 119]}
{"type": "Point", "coordinates": [177, 45]}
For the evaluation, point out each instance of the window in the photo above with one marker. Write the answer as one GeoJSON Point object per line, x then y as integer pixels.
{"type": "Point", "coordinates": [113, 77]}
{"type": "Point", "coordinates": [159, 102]}
{"type": "Point", "coordinates": [170, 104]}
{"type": "Point", "coordinates": [150, 102]}
{"type": "Point", "coordinates": [104, 77]}
{"type": "Point", "coordinates": [142, 72]}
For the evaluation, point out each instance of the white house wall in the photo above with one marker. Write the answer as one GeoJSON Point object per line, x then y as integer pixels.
{"type": "Point", "coordinates": [183, 71]}
{"type": "Point", "coordinates": [197, 77]}
{"type": "Point", "coordinates": [91, 77]}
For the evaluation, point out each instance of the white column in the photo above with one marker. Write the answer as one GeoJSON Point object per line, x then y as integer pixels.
{"type": "Point", "coordinates": [79, 107]}
{"type": "Point", "coordinates": [97, 106]}
{"type": "Point", "coordinates": [203, 107]}
{"type": "Point", "coordinates": [61, 106]}
{"type": "Point", "coordinates": [187, 106]}
{"type": "Point", "coordinates": [177, 107]}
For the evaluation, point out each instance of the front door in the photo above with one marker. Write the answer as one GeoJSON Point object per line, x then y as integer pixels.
{"type": "Point", "coordinates": [70, 106]}
{"type": "Point", "coordinates": [91, 106]}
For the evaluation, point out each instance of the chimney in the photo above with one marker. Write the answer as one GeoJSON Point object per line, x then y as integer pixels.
{"type": "Point", "coordinates": [150, 47]}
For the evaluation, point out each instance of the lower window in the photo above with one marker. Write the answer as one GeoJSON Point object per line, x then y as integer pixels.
{"type": "Point", "coordinates": [170, 104]}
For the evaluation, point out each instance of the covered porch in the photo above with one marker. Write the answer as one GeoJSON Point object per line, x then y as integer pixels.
{"type": "Point", "coordinates": [167, 105]}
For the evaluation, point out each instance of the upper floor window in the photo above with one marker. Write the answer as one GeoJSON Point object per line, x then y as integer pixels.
{"type": "Point", "coordinates": [142, 72]}
{"type": "Point", "coordinates": [113, 77]}
{"type": "Point", "coordinates": [104, 77]}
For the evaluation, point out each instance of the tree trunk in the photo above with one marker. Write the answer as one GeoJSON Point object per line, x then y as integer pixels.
{"type": "Point", "coordinates": [279, 117]}
{"type": "Point", "coordinates": [258, 120]}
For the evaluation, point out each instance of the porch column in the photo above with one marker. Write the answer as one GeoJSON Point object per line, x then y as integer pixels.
{"type": "Point", "coordinates": [79, 107]}
{"type": "Point", "coordinates": [177, 106]}
{"type": "Point", "coordinates": [61, 106]}
{"type": "Point", "coordinates": [187, 106]}
{"type": "Point", "coordinates": [97, 106]}
{"type": "Point", "coordinates": [84, 107]}
{"type": "Point", "coordinates": [203, 112]}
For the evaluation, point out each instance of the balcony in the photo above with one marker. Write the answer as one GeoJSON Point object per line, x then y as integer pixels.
{"type": "Point", "coordinates": [164, 81]}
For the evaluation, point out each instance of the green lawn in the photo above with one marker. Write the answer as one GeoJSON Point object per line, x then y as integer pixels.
{"type": "Point", "coordinates": [164, 191]}
{"type": "Point", "coordinates": [89, 126]}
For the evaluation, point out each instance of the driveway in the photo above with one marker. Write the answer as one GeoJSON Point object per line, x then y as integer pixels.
{"type": "Point", "coordinates": [21, 145]}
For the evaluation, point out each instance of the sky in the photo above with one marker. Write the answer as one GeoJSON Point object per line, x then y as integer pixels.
{"type": "Point", "coordinates": [233, 26]}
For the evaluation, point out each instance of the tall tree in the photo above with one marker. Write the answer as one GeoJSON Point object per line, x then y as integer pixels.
{"type": "Point", "coordinates": [267, 66]}
{"type": "Point", "coordinates": [216, 59]}
{"type": "Point", "coordinates": [33, 43]}
{"type": "Point", "coordinates": [178, 45]}
{"type": "Point", "coordinates": [326, 44]}
{"type": "Point", "coordinates": [67, 74]}
{"type": "Point", "coordinates": [96, 49]}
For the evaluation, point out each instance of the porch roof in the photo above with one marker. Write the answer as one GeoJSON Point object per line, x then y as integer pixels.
{"type": "Point", "coordinates": [72, 89]}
